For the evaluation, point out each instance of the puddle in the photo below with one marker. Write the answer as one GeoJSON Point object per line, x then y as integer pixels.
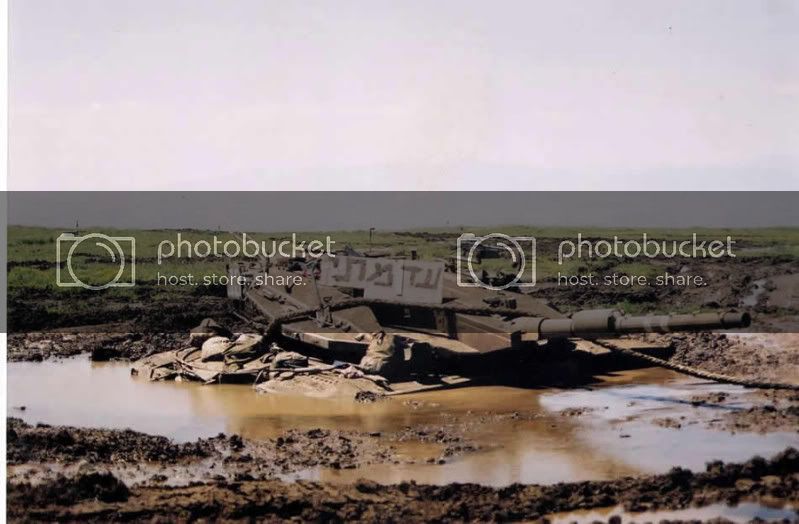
{"type": "Point", "coordinates": [621, 425]}
{"type": "Point", "coordinates": [544, 448]}
{"type": "Point", "coordinates": [751, 300]}
{"type": "Point", "coordinates": [743, 512]}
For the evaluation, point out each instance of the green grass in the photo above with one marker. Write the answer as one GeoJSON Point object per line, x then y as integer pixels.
{"type": "Point", "coordinates": [37, 247]}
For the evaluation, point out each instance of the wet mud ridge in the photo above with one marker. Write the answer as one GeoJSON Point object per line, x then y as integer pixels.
{"type": "Point", "coordinates": [36, 347]}
{"type": "Point", "coordinates": [766, 356]}
{"type": "Point", "coordinates": [97, 496]}
{"type": "Point", "coordinates": [38, 453]}
{"type": "Point", "coordinates": [765, 413]}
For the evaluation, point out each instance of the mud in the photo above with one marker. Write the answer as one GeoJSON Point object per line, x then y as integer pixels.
{"type": "Point", "coordinates": [137, 457]}
{"type": "Point", "coordinates": [64, 491]}
{"type": "Point", "coordinates": [101, 498]}
{"type": "Point", "coordinates": [760, 419]}
{"type": "Point", "coordinates": [765, 357]}
{"type": "Point", "coordinates": [147, 310]}
{"type": "Point", "coordinates": [62, 472]}
{"type": "Point", "coordinates": [44, 443]}
{"type": "Point", "coordinates": [113, 345]}
{"type": "Point", "coordinates": [111, 341]}
{"type": "Point", "coordinates": [763, 285]}
{"type": "Point", "coordinates": [761, 356]}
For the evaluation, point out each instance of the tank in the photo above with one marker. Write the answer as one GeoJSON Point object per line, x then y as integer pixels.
{"type": "Point", "coordinates": [469, 334]}
{"type": "Point", "coordinates": [468, 320]}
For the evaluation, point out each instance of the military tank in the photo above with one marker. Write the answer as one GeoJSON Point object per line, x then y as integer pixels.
{"type": "Point", "coordinates": [470, 331]}
{"type": "Point", "coordinates": [367, 333]}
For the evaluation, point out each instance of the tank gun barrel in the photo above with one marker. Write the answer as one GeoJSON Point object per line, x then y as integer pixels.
{"type": "Point", "coordinates": [611, 322]}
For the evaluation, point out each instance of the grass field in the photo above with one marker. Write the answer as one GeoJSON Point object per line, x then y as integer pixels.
{"type": "Point", "coordinates": [32, 258]}
{"type": "Point", "coordinates": [32, 250]}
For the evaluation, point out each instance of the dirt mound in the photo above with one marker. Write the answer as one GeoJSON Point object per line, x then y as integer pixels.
{"type": "Point", "coordinates": [410, 502]}
{"type": "Point", "coordinates": [132, 455]}
{"type": "Point", "coordinates": [63, 491]}
{"type": "Point", "coordinates": [33, 310]}
{"type": "Point", "coordinates": [761, 419]}
{"type": "Point", "coordinates": [761, 356]}
{"type": "Point", "coordinates": [43, 443]}
{"type": "Point", "coordinates": [112, 345]}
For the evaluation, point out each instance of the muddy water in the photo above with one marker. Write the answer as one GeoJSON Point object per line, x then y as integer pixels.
{"type": "Point", "coordinates": [615, 437]}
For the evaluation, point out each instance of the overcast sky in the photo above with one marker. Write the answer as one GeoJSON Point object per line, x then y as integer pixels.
{"type": "Point", "coordinates": [198, 94]}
